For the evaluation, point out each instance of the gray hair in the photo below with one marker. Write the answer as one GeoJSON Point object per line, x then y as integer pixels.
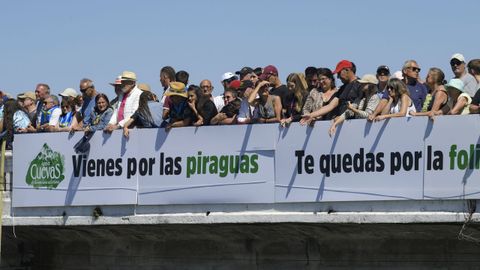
{"type": "Point", "coordinates": [88, 82]}
{"type": "Point", "coordinates": [54, 99]}
{"type": "Point", "coordinates": [408, 64]}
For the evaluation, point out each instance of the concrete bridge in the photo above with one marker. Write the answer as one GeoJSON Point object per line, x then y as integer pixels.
{"type": "Point", "coordinates": [403, 233]}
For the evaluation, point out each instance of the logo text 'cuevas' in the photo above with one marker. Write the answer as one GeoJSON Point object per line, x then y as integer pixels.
{"type": "Point", "coordinates": [46, 170]}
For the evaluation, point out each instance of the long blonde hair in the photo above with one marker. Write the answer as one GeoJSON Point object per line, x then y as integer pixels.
{"type": "Point", "coordinates": [399, 87]}
{"type": "Point", "coordinates": [300, 90]}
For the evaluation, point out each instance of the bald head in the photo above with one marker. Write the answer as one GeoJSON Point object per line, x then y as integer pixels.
{"type": "Point", "coordinates": [206, 86]}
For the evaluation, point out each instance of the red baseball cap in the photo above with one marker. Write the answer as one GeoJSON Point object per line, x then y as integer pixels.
{"type": "Point", "coordinates": [270, 69]}
{"type": "Point", "coordinates": [341, 65]}
{"type": "Point", "coordinates": [235, 84]}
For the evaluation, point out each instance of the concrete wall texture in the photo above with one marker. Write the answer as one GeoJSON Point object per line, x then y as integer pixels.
{"type": "Point", "coordinates": [240, 246]}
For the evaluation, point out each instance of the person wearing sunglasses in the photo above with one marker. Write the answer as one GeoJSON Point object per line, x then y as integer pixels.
{"type": "Point", "coordinates": [411, 76]}
{"type": "Point", "coordinates": [474, 69]}
{"type": "Point", "coordinates": [457, 63]}
{"type": "Point", "coordinates": [82, 119]}
{"type": "Point", "coordinates": [227, 115]}
{"type": "Point", "coordinates": [50, 115]}
{"type": "Point", "coordinates": [399, 104]}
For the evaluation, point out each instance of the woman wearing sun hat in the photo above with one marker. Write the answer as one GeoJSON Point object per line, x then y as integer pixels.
{"type": "Point", "coordinates": [175, 106]}
{"type": "Point", "coordinates": [362, 107]}
{"type": "Point", "coordinates": [460, 100]}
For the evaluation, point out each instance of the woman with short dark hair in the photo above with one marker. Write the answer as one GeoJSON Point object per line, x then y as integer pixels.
{"type": "Point", "coordinates": [321, 103]}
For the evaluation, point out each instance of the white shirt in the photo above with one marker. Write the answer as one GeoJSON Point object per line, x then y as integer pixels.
{"type": "Point", "coordinates": [55, 117]}
{"type": "Point", "coordinates": [131, 105]}
{"type": "Point", "coordinates": [219, 102]}
{"type": "Point", "coordinates": [246, 111]}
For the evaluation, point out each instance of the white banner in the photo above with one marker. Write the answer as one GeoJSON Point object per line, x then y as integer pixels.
{"type": "Point", "coordinates": [225, 164]}
{"type": "Point", "coordinates": [362, 161]}
{"type": "Point", "coordinates": [48, 172]}
{"type": "Point", "coordinates": [452, 169]}
{"type": "Point", "coordinates": [398, 159]}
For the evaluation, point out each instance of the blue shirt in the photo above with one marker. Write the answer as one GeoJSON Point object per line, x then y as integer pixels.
{"type": "Point", "coordinates": [100, 120]}
{"type": "Point", "coordinates": [20, 120]}
{"type": "Point", "coordinates": [418, 93]}
{"type": "Point", "coordinates": [87, 109]}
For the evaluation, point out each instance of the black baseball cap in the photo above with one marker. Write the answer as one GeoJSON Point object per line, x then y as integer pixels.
{"type": "Point", "coordinates": [383, 70]}
{"type": "Point", "coordinates": [244, 71]}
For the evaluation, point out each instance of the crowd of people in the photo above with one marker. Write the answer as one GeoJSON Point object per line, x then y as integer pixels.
{"type": "Point", "coordinates": [249, 96]}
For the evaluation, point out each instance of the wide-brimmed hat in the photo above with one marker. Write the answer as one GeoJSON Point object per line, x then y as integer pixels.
{"type": "Point", "coordinates": [368, 78]}
{"type": "Point", "coordinates": [144, 87]}
{"type": "Point", "coordinates": [128, 76]}
{"type": "Point", "coordinates": [455, 84]}
{"type": "Point", "coordinates": [117, 81]}
{"type": "Point", "coordinates": [69, 92]}
{"type": "Point", "coordinates": [176, 89]}
{"type": "Point", "coordinates": [28, 94]}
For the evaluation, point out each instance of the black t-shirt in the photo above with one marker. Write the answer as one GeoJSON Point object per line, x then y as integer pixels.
{"type": "Point", "coordinates": [282, 92]}
{"type": "Point", "coordinates": [349, 93]}
{"type": "Point", "coordinates": [335, 112]}
{"type": "Point", "coordinates": [207, 111]}
{"type": "Point", "coordinates": [476, 98]}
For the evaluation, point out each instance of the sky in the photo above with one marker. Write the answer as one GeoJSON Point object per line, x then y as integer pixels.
{"type": "Point", "coordinates": [61, 42]}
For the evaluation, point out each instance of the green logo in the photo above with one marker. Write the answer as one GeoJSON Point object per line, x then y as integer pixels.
{"type": "Point", "coordinates": [46, 170]}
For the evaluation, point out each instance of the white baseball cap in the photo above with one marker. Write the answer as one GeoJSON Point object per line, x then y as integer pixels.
{"type": "Point", "coordinates": [227, 75]}
{"type": "Point", "coordinates": [459, 57]}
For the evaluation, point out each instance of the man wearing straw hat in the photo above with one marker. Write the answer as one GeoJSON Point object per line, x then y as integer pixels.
{"type": "Point", "coordinates": [127, 102]}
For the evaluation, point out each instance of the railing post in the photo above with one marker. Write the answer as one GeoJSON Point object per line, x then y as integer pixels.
{"type": "Point", "coordinates": [2, 185]}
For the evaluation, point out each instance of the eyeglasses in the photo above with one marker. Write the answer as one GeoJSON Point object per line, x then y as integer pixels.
{"type": "Point", "coordinates": [206, 86]}
{"type": "Point", "coordinates": [83, 90]}
{"type": "Point", "coordinates": [415, 69]}
{"type": "Point", "coordinates": [455, 62]}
